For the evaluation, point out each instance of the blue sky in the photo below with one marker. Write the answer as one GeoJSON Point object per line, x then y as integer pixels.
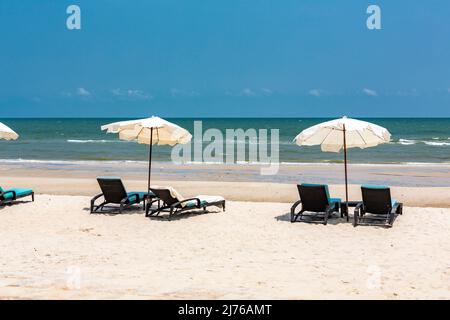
{"type": "Point", "coordinates": [224, 58]}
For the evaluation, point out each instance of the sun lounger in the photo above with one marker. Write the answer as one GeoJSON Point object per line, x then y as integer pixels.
{"type": "Point", "coordinates": [10, 195]}
{"type": "Point", "coordinates": [113, 192]}
{"type": "Point", "coordinates": [377, 207]}
{"type": "Point", "coordinates": [316, 204]}
{"type": "Point", "coordinates": [170, 201]}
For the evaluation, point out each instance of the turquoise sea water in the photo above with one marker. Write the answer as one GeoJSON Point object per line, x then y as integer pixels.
{"type": "Point", "coordinates": [413, 140]}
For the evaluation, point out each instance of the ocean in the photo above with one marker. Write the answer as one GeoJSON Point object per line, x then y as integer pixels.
{"type": "Point", "coordinates": [414, 140]}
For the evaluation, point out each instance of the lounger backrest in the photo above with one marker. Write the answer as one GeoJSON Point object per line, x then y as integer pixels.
{"type": "Point", "coordinates": [164, 195]}
{"type": "Point", "coordinates": [376, 199]}
{"type": "Point", "coordinates": [112, 189]}
{"type": "Point", "coordinates": [314, 197]}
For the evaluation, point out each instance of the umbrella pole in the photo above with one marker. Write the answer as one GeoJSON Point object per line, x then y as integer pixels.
{"type": "Point", "coordinates": [345, 168]}
{"type": "Point", "coordinates": [150, 159]}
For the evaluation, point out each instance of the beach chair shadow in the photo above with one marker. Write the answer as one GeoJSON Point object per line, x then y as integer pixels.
{"type": "Point", "coordinates": [9, 204]}
{"type": "Point", "coordinates": [112, 211]}
{"type": "Point", "coordinates": [169, 202]}
{"type": "Point", "coordinates": [181, 216]}
{"type": "Point", "coordinates": [333, 220]}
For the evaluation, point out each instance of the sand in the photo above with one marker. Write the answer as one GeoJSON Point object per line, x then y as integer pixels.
{"type": "Point", "coordinates": [425, 185]}
{"type": "Point", "coordinates": [53, 248]}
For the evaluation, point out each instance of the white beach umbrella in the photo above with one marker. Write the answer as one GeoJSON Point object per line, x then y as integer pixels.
{"type": "Point", "coordinates": [342, 134]}
{"type": "Point", "coordinates": [7, 133]}
{"type": "Point", "coordinates": [149, 131]}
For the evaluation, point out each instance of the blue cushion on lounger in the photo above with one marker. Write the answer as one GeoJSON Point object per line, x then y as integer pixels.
{"type": "Point", "coordinates": [335, 200]}
{"type": "Point", "coordinates": [19, 193]}
{"type": "Point", "coordinates": [109, 178]}
{"type": "Point", "coordinates": [132, 196]}
{"type": "Point", "coordinates": [193, 203]}
{"type": "Point", "coordinates": [375, 187]}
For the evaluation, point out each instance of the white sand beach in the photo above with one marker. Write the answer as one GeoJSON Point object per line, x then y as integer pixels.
{"type": "Point", "coordinates": [53, 248]}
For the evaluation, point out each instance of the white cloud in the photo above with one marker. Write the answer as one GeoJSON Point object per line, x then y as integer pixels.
{"type": "Point", "coordinates": [315, 92]}
{"type": "Point", "coordinates": [116, 92]}
{"type": "Point", "coordinates": [408, 93]}
{"type": "Point", "coordinates": [137, 94]}
{"type": "Point", "coordinates": [266, 91]}
{"type": "Point", "coordinates": [174, 92]}
{"type": "Point", "coordinates": [83, 92]}
{"type": "Point", "coordinates": [248, 92]}
{"type": "Point", "coordinates": [370, 92]}
{"type": "Point", "coordinates": [131, 94]}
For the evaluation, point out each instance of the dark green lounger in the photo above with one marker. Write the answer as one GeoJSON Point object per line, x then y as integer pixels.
{"type": "Point", "coordinates": [377, 207]}
{"type": "Point", "coordinates": [113, 192]}
{"type": "Point", "coordinates": [316, 204]}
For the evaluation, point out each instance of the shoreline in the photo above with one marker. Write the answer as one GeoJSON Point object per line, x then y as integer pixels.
{"type": "Point", "coordinates": [330, 173]}
{"type": "Point", "coordinates": [285, 163]}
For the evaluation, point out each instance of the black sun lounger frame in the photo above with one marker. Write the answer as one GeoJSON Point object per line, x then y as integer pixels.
{"type": "Point", "coordinates": [166, 203]}
{"type": "Point", "coordinates": [314, 199]}
{"type": "Point", "coordinates": [377, 208]}
{"type": "Point", "coordinates": [113, 192]}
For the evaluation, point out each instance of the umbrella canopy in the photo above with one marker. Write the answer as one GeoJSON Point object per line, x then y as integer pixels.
{"type": "Point", "coordinates": [164, 132]}
{"type": "Point", "coordinates": [149, 131]}
{"type": "Point", "coordinates": [7, 133]}
{"type": "Point", "coordinates": [342, 134]}
{"type": "Point", "coordinates": [329, 135]}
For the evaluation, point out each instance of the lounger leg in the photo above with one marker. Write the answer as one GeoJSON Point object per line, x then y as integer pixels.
{"type": "Point", "coordinates": [32, 196]}
{"type": "Point", "coordinates": [355, 218]}
{"type": "Point", "coordinates": [400, 208]}
{"type": "Point", "coordinates": [294, 217]}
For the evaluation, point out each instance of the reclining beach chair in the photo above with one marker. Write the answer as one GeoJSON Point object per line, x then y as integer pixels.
{"type": "Point", "coordinates": [316, 204]}
{"type": "Point", "coordinates": [113, 192]}
{"type": "Point", "coordinates": [169, 200]}
{"type": "Point", "coordinates": [377, 207]}
{"type": "Point", "coordinates": [10, 195]}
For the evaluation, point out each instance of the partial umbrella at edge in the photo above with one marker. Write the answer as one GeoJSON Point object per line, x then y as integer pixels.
{"type": "Point", "coordinates": [6, 133]}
